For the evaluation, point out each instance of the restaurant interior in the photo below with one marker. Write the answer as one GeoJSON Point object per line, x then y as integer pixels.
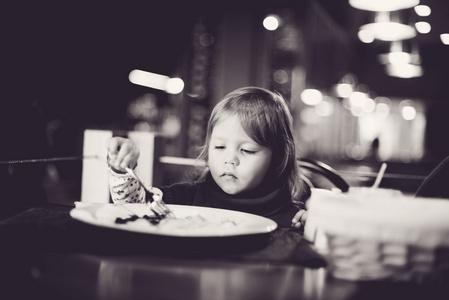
{"type": "Point", "coordinates": [362, 96]}
{"type": "Point", "coordinates": [76, 67]}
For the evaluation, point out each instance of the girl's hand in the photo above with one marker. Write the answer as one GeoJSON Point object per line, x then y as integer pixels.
{"type": "Point", "coordinates": [122, 153]}
{"type": "Point", "coordinates": [299, 220]}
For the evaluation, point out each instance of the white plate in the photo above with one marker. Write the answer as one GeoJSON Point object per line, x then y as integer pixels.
{"type": "Point", "coordinates": [191, 221]}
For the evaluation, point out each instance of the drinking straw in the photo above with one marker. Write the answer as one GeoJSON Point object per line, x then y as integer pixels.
{"type": "Point", "coordinates": [380, 175]}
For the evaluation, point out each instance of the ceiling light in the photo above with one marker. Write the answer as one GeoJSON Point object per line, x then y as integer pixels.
{"type": "Point", "coordinates": [401, 52]}
{"type": "Point", "coordinates": [445, 38]}
{"type": "Point", "coordinates": [366, 36]}
{"type": "Point", "coordinates": [423, 27]}
{"type": "Point", "coordinates": [390, 26]}
{"type": "Point", "coordinates": [422, 10]}
{"type": "Point", "coordinates": [404, 70]}
{"type": "Point", "coordinates": [398, 58]}
{"type": "Point", "coordinates": [390, 31]}
{"type": "Point", "coordinates": [383, 5]}
{"type": "Point", "coordinates": [403, 60]}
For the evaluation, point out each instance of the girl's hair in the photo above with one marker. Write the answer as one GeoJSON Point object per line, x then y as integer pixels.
{"type": "Point", "coordinates": [266, 118]}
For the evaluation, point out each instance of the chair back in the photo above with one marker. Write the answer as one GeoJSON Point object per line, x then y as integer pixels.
{"type": "Point", "coordinates": [317, 174]}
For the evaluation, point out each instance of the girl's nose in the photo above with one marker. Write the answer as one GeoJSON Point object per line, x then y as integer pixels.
{"type": "Point", "coordinates": [231, 159]}
{"type": "Point", "coordinates": [230, 162]}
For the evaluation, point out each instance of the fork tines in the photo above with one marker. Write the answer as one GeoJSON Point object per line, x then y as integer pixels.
{"type": "Point", "coordinates": [158, 206]}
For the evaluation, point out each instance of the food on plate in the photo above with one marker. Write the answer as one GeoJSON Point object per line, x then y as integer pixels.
{"type": "Point", "coordinates": [190, 223]}
{"type": "Point", "coordinates": [152, 219]}
{"type": "Point", "coordinates": [197, 222]}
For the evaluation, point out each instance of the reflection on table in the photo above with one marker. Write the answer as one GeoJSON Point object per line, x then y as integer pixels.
{"type": "Point", "coordinates": [92, 276]}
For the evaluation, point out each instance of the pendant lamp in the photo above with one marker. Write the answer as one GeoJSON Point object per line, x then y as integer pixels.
{"type": "Point", "coordinates": [383, 5]}
{"type": "Point", "coordinates": [390, 26]}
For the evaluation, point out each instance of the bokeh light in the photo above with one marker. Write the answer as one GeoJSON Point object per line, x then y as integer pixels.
{"type": "Point", "coordinates": [423, 27]}
{"type": "Point", "coordinates": [156, 81]}
{"type": "Point", "coordinates": [281, 76]}
{"type": "Point", "coordinates": [311, 96]}
{"type": "Point", "coordinates": [174, 86]}
{"type": "Point", "coordinates": [366, 36]}
{"type": "Point", "coordinates": [343, 90]}
{"type": "Point", "coordinates": [382, 107]}
{"type": "Point", "coordinates": [325, 108]}
{"type": "Point", "coordinates": [422, 10]}
{"type": "Point", "coordinates": [271, 22]}
{"type": "Point", "coordinates": [408, 110]}
{"type": "Point", "coordinates": [445, 38]}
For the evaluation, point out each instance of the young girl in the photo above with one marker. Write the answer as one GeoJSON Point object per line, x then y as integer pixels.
{"type": "Point", "coordinates": [251, 162]}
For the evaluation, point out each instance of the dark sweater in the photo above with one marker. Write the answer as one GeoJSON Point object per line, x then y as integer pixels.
{"type": "Point", "coordinates": [268, 201]}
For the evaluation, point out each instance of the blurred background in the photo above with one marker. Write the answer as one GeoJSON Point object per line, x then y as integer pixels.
{"type": "Point", "coordinates": [360, 94]}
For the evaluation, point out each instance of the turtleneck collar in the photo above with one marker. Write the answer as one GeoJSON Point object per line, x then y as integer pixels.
{"type": "Point", "coordinates": [266, 200]}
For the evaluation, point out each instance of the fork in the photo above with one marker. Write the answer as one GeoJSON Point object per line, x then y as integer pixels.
{"type": "Point", "coordinates": [156, 205]}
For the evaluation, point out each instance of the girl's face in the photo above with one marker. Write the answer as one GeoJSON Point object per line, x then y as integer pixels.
{"type": "Point", "coordinates": [236, 162]}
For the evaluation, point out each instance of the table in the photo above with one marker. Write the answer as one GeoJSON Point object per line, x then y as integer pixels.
{"type": "Point", "coordinates": [47, 254]}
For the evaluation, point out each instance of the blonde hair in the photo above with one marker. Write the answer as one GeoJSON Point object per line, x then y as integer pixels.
{"type": "Point", "coordinates": [266, 118]}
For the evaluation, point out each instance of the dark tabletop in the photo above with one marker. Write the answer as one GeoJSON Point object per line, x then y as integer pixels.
{"type": "Point", "coordinates": [45, 252]}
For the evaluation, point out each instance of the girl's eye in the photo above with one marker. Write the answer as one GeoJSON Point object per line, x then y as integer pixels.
{"type": "Point", "coordinates": [219, 147]}
{"type": "Point", "coordinates": [248, 151]}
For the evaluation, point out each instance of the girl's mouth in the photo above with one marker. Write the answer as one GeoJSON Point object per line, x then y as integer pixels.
{"type": "Point", "coordinates": [229, 175]}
